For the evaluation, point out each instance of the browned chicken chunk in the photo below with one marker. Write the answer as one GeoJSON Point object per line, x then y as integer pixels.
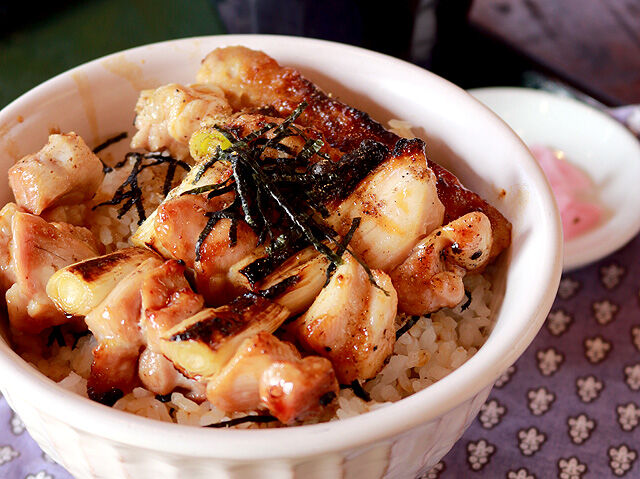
{"type": "Point", "coordinates": [431, 277]}
{"type": "Point", "coordinates": [36, 249]}
{"type": "Point", "coordinates": [64, 172]}
{"type": "Point", "coordinates": [167, 116]}
{"type": "Point", "coordinates": [143, 305]}
{"type": "Point", "coordinates": [268, 373]}
{"type": "Point", "coordinates": [397, 204]}
{"type": "Point", "coordinates": [351, 322]}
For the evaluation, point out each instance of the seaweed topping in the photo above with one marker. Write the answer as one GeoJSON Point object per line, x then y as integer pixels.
{"type": "Point", "coordinates": [242, 420]}
{"type": "Point", "coordinates": [409, 324]}
{"type": "Point", "coordinates": [129, 193]}
{"type": "Point", "coordinates": [359, 391]}
{"type": "Point", "coordinates": [327, 398]}
{"type": "Point", "coordinates": [56, 336]}
{"type": "Point", "coordinates": [467, 303]}
{"type": "Point", "coordinates": [279, 288]}
{"type": "Point", "coordinates": [108, 398]}
{"type": "Point", "coordinates": [121, 136]}
{"type": "Point", "coordinates": [267, 188]}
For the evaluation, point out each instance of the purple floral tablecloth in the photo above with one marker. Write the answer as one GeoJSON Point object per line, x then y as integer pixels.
{"type": "Point", "coordinates": [568, 409]}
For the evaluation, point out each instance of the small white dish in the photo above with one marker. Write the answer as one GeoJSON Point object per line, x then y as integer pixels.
{"type": "Point", "coordinates": [594, 142]}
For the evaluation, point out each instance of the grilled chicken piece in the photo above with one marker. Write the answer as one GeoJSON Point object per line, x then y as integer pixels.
{"type": "Point", "coordinates": [174, 228]}
{"type": "Point", "coordinates": [36, 249]}
{"type": "Point", "coordinates": [267, 372]}
{"type": "Point", "coordinates": [431, 277]}
{"type": "Point", "coordinates": [251, 79]}
{"type": "Point", "coordinates": [167, 299]}
{"type": "Point", "coordinates": [79, 288]}
{"type": "Point", "coordinates": [201, 345]}
{"type": "Point", "coordinates": [397, 204]}
{"type": "Point", "coordinates": [351, 322]}
{"type": "Point", "coordinates": [115, 325]}
{"type": "Point", "coordinates": [167, 116]}
{"type": "Point", "coordinates": [178, 226]}
{"type": "Point", "coordinates": [143, 305]}
{"type": "Point", "coordinates": [64, 172]}
{"type": "Point", "coordinates": [160, 376]}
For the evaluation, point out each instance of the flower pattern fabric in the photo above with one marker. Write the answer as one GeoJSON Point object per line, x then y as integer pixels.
{"type": "Point", "coordinates": [570, 406]}
{"type": "Point", "coordinates": [568, 409]}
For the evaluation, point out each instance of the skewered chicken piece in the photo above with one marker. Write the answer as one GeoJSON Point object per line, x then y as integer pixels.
{"type": "Point", "coordinates": [267, 372]}
{"type": "Point", "coordinates": [167, 116]}
{"type": "Point", "coordinates": [351, 321]}
{"type": "Point", "coordinates": [64, 172]}
{"type": "Point", "coordinates": [36, 249]}
{"type": "Point", "coordinates": [431, 277]}
{"type": "Point", "coordinates": [201, 345]}
{"type": "Point", "coordinates": [178, 225]}
{"type": "Point", "coordinates": [252, 79]}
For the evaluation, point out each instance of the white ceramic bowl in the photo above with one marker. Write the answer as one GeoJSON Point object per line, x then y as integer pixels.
{"type": "Point", "coordinates": [399, 441]}
{"type": "Point", "coordinates": [593, 141]}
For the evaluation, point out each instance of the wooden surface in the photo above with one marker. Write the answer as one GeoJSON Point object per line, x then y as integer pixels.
{"type": "Point", "coordinates": [592, 44]}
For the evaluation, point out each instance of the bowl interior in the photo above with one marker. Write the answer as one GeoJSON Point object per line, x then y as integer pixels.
{"type": "Point", "coordinates": [97, 99]}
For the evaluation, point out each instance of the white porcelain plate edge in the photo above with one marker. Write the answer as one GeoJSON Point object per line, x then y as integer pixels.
{"type": "Point", "coordinates": [593, 141]}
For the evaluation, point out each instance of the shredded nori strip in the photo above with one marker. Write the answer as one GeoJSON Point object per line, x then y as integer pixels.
{"type": "Point", "coordinates": [110, 141]}
{"type": "Point", "coordinates": [259, 181]}
{"type": "Point", "coordinates": [408, 325]}
{"type": "Point", "coordinates": [326, 398]}
{"type": "Point", "coordinates": [108, 398]}
{"type": "Point", "coordinates": [129, 193]}
{"type": "Point", "coordinates": [56, 336]}
{"type": "Point", "coordinates": [163, 398]}
{"type": "Point", "coordinates": [359, 391]}
{"type": "Point", "coordinates": [342, 246]}
{"type": "Point", "coordinates": [120, 136]}
{"type": "Point", "coordinates": [77, 336]}
{"type": "Point", "coordinates": [468, 302]}
{"type": "Point", "coordinates": [242, 420]}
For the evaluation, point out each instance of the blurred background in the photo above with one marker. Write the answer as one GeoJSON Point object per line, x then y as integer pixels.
{"type": "Point", "coordinates": [593, 45]}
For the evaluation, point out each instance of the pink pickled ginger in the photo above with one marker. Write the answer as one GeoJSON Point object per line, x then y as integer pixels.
{"type": "Point", "coordinates": [570, 186]}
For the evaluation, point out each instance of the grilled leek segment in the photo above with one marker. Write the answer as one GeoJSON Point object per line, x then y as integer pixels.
{"type": "Point", "coordinates": [295, 283]}
{"type": "Point", "coordinates": [81, 287]}
{"type": "Point", "coordinates": [201, 345]}
{"type": "Point", "coordinates": [204, 142]}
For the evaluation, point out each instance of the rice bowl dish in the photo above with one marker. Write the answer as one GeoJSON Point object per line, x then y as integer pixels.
{"type": "Point", "coordinates": [438, 326]}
